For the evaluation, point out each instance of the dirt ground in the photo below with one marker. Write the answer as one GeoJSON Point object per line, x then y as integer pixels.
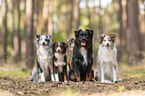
{"type": "Point", "coordinates": [22, 86]}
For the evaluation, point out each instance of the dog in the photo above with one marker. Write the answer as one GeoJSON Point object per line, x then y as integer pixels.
{"type": "Point", "coordinates": [107, 59]}
{"type": "Point", "coordinates": [82, 60]}
{"type": "Point", "coordinates": [41, 71]}
{"type": "Point", "coordinates": [59, 61]}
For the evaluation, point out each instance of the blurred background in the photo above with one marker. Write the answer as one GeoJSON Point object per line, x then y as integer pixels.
{"type": "Point", "coordinates": [21, 20]}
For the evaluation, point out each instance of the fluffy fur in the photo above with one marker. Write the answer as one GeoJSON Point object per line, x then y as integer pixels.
{"type": "Point", "coordinates": [82, 61]}
{"type": "Point", "coordinates": [59, 61]}
{"type": "Point", "coordinates": [106, 60]}
{"type": "Point", "coordinates": [41, 71]}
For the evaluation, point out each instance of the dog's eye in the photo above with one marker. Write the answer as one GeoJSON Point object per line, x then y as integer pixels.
{"type": "Point", "coordinates": [46, 39]}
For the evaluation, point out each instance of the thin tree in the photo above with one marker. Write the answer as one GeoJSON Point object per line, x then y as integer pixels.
{"type": "Point", "coordinates": [4, 31]}
{"type": "Point", "coordinates": [76, 14]}
{"type": "Point", "coordinates": [100, 19]}
{"type": "Point", "coordinates": [11, 21]}
{"type": "Point", "coordinates": [45, 16]}
{"type": "Point", "coordinates": [35, 15]}
{"type": "Point", "coordinates": [50, 20]}
{"type": "Point", "coordinates": [29, 34]}
{"type": "Point", "coordinates": [17, 36]}
{"type": "Point", "coordinates": [133, 33]}
{"type": "Point", "coordinates": [69, 18]}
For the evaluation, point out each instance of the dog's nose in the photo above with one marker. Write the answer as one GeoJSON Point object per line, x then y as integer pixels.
{"type": "Point", "coordinates": [43, 43]}
{"type": "Point", "coordinates": [107, 44]}
{"type": "Point", "coordinates": [58, 50]}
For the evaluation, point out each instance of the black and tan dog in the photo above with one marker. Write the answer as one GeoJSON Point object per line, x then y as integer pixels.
{"type": "Point", "coordinates": [82, 60]}
{"type": "Point", "coordinates": [59, 61]}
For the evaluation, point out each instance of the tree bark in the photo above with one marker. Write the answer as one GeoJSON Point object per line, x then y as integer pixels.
{"type": "Point", "coordinates": [11, 22]}
{"type": "Point", "coordinates": [76, 14]}
{"type": "Point", "coordinates": [37, 4]}
{"type": "Point", "coordinates": [17, 36]}
{"type": "Point", "coordinates": [134, 45]}
{"type": "Point", "coordinates": [69, 18]}
{"type": "Point", "coordinates": [133, 26]}
{"type": "Point", "coordinates": [29, 34]}
{"type": "Point", "coordinates": [45, 16]}
{"type": "Point", "coordinates": [50, 19]}
{"type": "Point", "coordinates": [100, 19]}
{"type": "Point", "coordinates": [4, 31]}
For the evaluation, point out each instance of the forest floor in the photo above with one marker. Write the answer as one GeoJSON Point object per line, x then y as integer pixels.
{"type": "Point", "coordinates": [15, 81]}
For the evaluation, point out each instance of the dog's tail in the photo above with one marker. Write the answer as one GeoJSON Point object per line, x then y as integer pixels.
{"type": "Point", "coordinates": [69, 42]}
{"type": "Point", "coordinates": [70, 71]}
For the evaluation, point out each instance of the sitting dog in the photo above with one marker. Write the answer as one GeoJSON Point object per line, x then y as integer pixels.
{"type": "Point", "coordinates": [82, 61]}
{"type": "Point", "coordinates": [106, 60]}
{"type": "Point", "coordinates": [59, 61]}
{"type": "Point", "coordinates": [41, 70]}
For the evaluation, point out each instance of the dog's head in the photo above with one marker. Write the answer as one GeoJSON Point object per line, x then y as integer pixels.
{"type": "Point", "coordinates": [83, 38]}
{"type": "Point", "coordinates": [43, 40]}
{"type": "Point", "coordinates": [59, 47]}
{"type": "Point", "coordinates": [107, 40]}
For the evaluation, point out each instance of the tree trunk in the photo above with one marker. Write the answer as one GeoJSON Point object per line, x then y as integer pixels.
{"type": "Point", "coordinates": [107, 22]}
{"type": "Point", "coordinates": [29, 34]}
{"type": "Point", "coordinates": [60, 21]}
{"type": "Point", "coordinates": [17, 37]}
{"type": "Point", "coordinates": [4, 31]}
{"type": "Point", "coordinates": [133, 34]}
{"type": "Point", "coordinates": [11, 22]}
{"type": "Point", "coordinates": [100, 20]}
{"type": "Point", "coordinates": [69, 18]}
{"type": "Point", "coordinates": [37, 4]}
{"type": "Point", "coordinates": [76, 14]}
{"type": "Point", "coordinates": [45, 16]}
{"type": "Point", "coordinates": [50, 19]}
{"type": "Point", "coordinates": [124, 26]}
{"type": "Point", "coordinates": [133, 26]}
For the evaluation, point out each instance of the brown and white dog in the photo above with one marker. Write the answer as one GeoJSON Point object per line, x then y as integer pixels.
{"type": "Point", "coordinates": [107, 59]}
{"type": "Point", "coordinates": [59, 60]}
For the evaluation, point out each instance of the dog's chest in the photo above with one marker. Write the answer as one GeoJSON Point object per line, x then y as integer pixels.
{"type": "Point", "coordinates": [60, 59]}
{"type": "Point", "coordinates": [107, 55]}
{"type": "Point", "coordinates": [44, 56]}
{"type": "Point", "coordinates": [84, 54]}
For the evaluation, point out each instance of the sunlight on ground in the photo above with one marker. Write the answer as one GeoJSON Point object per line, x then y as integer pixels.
{"type": "Point", "coordinates": [126, 93]}
{"type": "Point", "coordinates": [126, 71]}
{"type": "Point", "coordinates": [5, 93]}
{"type": "Point", "coordinates": [11, 70]}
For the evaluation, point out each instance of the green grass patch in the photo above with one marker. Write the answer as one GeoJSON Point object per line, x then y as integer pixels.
{"type": "Point", "coordinates": [126, 71]}
{"type": "Point", "coordinates": [14, 72]}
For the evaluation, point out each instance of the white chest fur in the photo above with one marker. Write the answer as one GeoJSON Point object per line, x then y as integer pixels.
{"type": "Point", "coordinates": [60, 59]}
{"type": "Point", "coordinates": [44, 56]}
{"type": "Point", "coordinates": [107, 55]}
{"type": "Point", "coordinates": [84, 54]}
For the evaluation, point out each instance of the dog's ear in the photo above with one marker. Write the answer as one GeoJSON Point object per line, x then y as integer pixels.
{"type": "Point", "coordinates": [53, 45]}
{"type": "Point", "coordinates": [37, 37]}
{"type": "Point", "coordinates": [113, 37]}
{"type": "Point", "coordinates": [48, 36]}
{"type": "Point", "coordinates": [90, 32]}
{"type": "Point", "coordinates": [65, 45]}
{"type": "Point", "coordinates": [100, 37]}
{"type": "Point", "coordinates": [77, 32]}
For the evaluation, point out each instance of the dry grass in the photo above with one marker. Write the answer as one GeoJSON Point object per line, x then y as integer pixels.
{"type": "Point", "coordinates": [5, 93]}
